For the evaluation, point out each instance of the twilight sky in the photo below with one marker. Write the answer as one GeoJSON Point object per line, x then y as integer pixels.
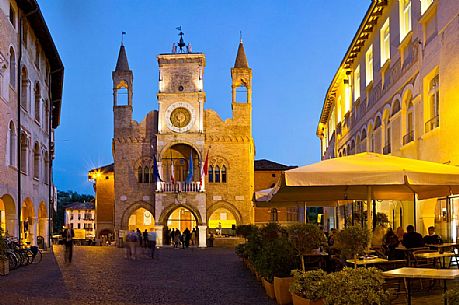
{"type": "Point", "coordinates": [294, 48]}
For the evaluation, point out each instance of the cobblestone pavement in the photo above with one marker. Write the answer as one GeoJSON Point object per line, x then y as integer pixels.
{"type": "Point", "coordinates": [101, 275]}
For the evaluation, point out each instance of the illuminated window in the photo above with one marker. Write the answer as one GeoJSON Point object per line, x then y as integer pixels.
{"type": "Point", "coordinates": [369, 65]}
{"type": "Point", "coordinates": [356, 83]}
{"type": "Point", "coordinates": [409, 136]}
{"type": "Point", "coordinates": [385, 42]}
{"type": "Point", "coordinates": [425, 4]}
{"type": "Point", "coordinates": [405, 18]}
{"type": "Point", "coordinates": [274, 215]}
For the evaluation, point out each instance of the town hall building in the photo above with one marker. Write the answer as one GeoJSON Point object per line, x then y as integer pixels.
{"type": "Point", "coordinates": [182, 166]}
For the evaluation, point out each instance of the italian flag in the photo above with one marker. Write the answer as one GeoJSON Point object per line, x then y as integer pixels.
{"type": "Point", "coordinates": [204, 169]}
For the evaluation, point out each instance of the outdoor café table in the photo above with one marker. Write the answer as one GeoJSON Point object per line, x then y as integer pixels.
{"type": "Point", "coordinates": [442, 246]}
{"type": "Point", "coordinates": [319, 258]}
{"type": "Point", "coordinates": [437, 255]}
{"type": "Point", "coordinates": [425, 273]}
{"type": "Point", "coordinates": [364, 262]}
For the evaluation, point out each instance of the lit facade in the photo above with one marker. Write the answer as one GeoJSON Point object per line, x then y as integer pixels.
{"type": "Point", "coordinates": [396, 92]}
{"type": "Point", "coordinates": [180, 136]}
{"type": "Point", "coordinates": [31, 75]}
{"type": "Point", "coordinates": [81, 215]}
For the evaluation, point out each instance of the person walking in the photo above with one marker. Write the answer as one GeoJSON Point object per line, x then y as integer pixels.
{"type": "Point", "coordinates": [131, 244]}
{"type": "Point", "coordinates": [145, 239]}
{"type": "Point", "coordinates": [152, 242]}
{"type": "Point", "coordinates": [67, 236]}
{"type": "Point", "coordinates": [177, 237]}
{"type": "Point", "coordinates": [139, 236]}
{"type": "Point", "coordinates": [193, 237]}
{"type": "Point", "coordinates": [186, 238]}
{"type": "Point", "coordinates": [171, 242]}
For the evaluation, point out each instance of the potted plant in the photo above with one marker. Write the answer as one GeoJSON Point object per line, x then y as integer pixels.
{"type": "Point", "coordinates": [363, 286]}
{"type": "Point", "coordinates": [307, 287]}
{"type": "Point", "coordinates": [353, 241]}
{"type": "Point", "coordinates": [275, 264]}
{"type": "Point", "coordinates": [305, 238]}
{"type": "Point", "coordinates": [452, 296]}
{"type": "Point", "coordinates": [4, 263]}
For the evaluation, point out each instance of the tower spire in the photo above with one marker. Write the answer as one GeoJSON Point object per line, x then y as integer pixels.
{"type": "Point", "coordinates": [241, 59]}
{"type": "Point", "coordinates": [122, 62]}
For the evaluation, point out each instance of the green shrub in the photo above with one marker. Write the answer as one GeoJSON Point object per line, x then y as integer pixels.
{"type": "Point", "coordinates": [305, 238]}
{"type": "Point", "coordinates": [352, 241]}
{"type": "Point", "coordinates": [308, 284]}
{"type": "Point", "coordinates": [363, 286]}
{"type": "Point", "coordinates": [246, 230]}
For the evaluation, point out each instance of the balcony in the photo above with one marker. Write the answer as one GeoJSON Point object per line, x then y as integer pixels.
{"type": "Point", "coordinates": [432, 123]}
{"type": "Point", "coordinates": [409, 137]}
{"type": "Point", "coordinates": [386, 149]}
{"type": "Point", "coordinates": [179, 187]}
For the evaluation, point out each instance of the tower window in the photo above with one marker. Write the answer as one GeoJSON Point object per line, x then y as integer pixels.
{"type": "Point", "coordinates": [122, 96]}
{"type": "Point", "coordinates": [223, 174]}
{"type": "Point", "coordinates": [241, 94]}
{"type": "Point", "coordinates": [146, 175]}
{"type": "Point", "coordinates": [217, 174]}
{"type": "Point", "coordinates": [140, 174]}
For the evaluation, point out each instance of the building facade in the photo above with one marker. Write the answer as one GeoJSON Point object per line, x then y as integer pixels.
{"type": "Point", "coordinates": [157, 179]}
{"type": "Point", "coordinates": [31, 76]}
{"type": "Point", "coordinates": [81, 215]}
{"type": "Point", "coordinates": [395, 92]}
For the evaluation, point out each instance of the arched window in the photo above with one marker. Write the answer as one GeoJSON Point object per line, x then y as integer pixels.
{"type": "Point", "coordinates": [395, 107]}
{"type": "Point", "coordinates": [434, 104]}
{"type": "Point", "coordinates": [409, 137]}
{"type": "Point", "coordinates": [211, 174]}
{"type": "Point", "coordinates": [274, 215]}
{"type": "Point", "coordinates": [12, 68]}
{"type": "Point", "coordinates": [223, 174]}
{"type": "Point", "coordinates": [353, 147]}
{"type": "Point", "coordinates": [378, 122]}
{"type": "Point", "coordinates": [140, 174]}
{"type": "Point", "coordinates": [152, 175]}
{"type": "Point", "coordinates": [11, 142]}
{"type": "Point", "coordinates": [37, 102]}
{"type": "Point", "coordinates": [241, 94]}
{"type": "Point", "coordinates": [146, 175]}
{"type": "Point", "coordinates": [217, 174]}
{"type": "Point", "coordinates": [24, 89]}
{"type": "Point", "coordinates": [45, 167]}
{"type": "Point", "coordinates": [36, 161]}
{"type": "Point", "coordinates": [24, 152]}
{"type": "Point", "coordinates": [46, 116]}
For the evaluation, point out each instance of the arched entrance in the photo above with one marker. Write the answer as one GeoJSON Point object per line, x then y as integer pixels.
{"type": "Point", "coordinates": [8, 214]}
{"type": "Point", "coordinates": [222, 217]}
{"type": "Point", "coordinates": [42, 220]}
{"type": "Point", "coordinates": [27, 221]}
{"type": "Point", "coordinates": [181, 218]}
{"type": "Point", "coordinates": [141, 219]}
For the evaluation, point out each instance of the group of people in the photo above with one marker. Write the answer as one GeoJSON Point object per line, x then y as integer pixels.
{"type": "Point", "coordinates": [135, 239]}
{"type": "Point", "coordinates": [179, 239]}
{"type": "Point", "coordinates": [410, 239]}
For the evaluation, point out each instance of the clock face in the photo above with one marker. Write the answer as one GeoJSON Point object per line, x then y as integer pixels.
{"type": "Point", "coordinates": [180, 117]}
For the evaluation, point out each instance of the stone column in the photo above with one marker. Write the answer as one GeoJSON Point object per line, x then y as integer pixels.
{"type": "Point", "coordinates": [202, 236]}
{"type": "Point", "coordinates": [159, 235]}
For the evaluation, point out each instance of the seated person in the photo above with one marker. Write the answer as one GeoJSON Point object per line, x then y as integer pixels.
{"type": "Point", "coordinates": [412, 239]}
{"type": "Point", "coordinates": [432, 238]}
{"type": "Point", "coordinates": [391, 243]}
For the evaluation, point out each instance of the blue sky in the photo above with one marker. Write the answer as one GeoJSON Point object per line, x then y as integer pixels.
{"type": "Point", "coordinates": [294, 48]}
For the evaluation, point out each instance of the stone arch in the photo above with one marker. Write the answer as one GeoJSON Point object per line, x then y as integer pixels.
{"type": "Point", "coordinates": [165, 148]}
{"type": "Point", "coordinates": [28, 220]}
{"type": "Point", "coordinates": [228, 206]}
{"type": "Point", "coordinates": [172, 207]}
{"type": "Point", "coordinates": [8, 219]}
{"type": "Point", "coordinates": [131, 209]}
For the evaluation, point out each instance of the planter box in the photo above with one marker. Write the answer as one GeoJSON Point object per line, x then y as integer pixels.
{"type": "Point", "coordinates": [297, 300]}
{"type": "Point", "coordinates": [281, 286]}
{"type": "Point", "coordinates": [269, 288]}
{"type": "Point", "coordinates": [4, 267]}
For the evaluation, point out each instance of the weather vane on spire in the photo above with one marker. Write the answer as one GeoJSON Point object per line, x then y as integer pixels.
{"type": "Point", "coordinates": [122, 38]}
{"type": "Point", "coordinates": [181, 43]}
{"type": "Point", "coordinates": [240, 36]}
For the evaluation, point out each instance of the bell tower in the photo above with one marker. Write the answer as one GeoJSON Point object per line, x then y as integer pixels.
{"type": "Point", "coordinates": [241, 86]}
{"type": "Point", "coordinates": [122, 90]}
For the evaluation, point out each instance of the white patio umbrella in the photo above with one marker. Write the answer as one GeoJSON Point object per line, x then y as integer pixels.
{"type": "Point", "coordinates": [365, 176]}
